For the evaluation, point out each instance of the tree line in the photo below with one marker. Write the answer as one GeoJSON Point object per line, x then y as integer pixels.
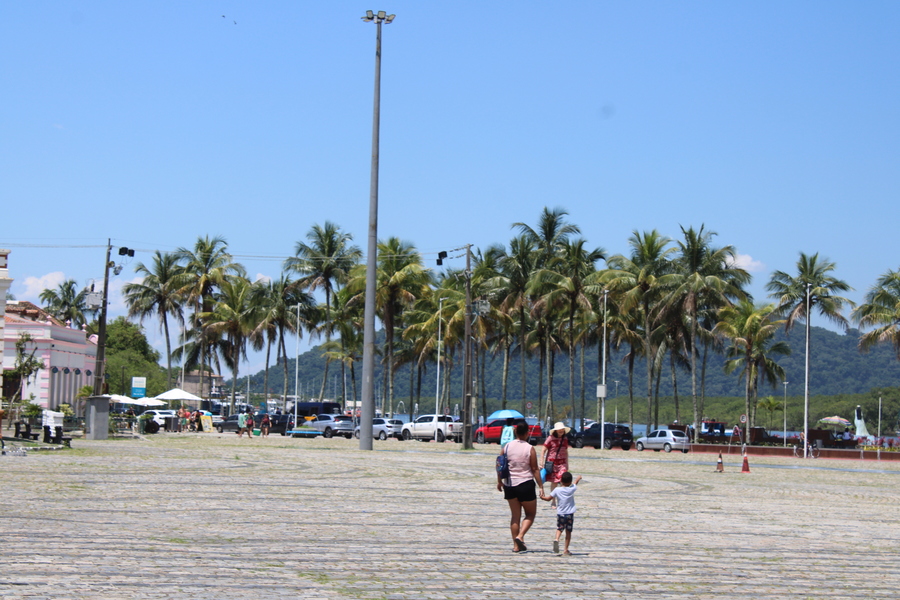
{"type": "Point", "coordinates": [666, 305]}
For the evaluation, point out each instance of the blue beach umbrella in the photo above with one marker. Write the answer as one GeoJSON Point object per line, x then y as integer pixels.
{"type": "Point", "coordinates": [505, 414]}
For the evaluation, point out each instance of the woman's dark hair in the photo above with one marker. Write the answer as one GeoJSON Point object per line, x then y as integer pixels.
{"type": "Point", "coordinates": [521, 429]}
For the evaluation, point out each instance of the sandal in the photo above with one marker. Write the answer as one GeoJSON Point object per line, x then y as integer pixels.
{"type": "Point", "coordinates": [520, 545]}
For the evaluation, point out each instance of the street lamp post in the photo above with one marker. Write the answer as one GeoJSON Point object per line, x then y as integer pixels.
{"type": "Point", "coordinates": [367, 412]}
{"type": "Point", "coordinates": [784, 410]}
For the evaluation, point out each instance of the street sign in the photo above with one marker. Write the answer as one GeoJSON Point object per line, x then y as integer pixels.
{"type": "Point", "coordinates": [529, 405]}
{"type": "Point", "coordinates": [743, 418]}
{"type": "Point", "coordinates": [138, 387]}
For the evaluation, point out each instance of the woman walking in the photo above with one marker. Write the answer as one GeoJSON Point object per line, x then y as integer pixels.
{"type": "Point", "coordinates": [520, 494]}
{"type": "Point", "coordinates": [556, 449]}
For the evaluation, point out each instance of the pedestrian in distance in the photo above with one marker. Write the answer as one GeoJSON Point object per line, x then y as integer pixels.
{"type": "Point", "coordinates": [242, 424]}
{"type": "Point", "coordinates": [565, 509]}
{"type": "Point", "coordinates": [519, 491]}
{"type": "Point", "coordinates": [556, 451]}
{"type": "Point", "coordinates": [264, 424]}
{"type": "Point", "coordinates": [508, 433]}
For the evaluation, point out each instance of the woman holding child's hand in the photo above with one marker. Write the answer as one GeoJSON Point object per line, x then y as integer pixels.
{"type": "Point", "coordinates": [524, 473]}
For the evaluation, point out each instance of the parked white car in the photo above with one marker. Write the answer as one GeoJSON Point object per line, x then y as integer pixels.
{"type": "Point", "coordinates": [431, 427]}
{"type": "Point", "coordinates": [160, 415]}
{"type": "Point", "coordinates": [383, 428]}
{"type": "Point", "coordinates": [664, 439]}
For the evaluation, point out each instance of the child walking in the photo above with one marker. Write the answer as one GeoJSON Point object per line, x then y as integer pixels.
{"type": "Point", "coordinates": [565, 509]}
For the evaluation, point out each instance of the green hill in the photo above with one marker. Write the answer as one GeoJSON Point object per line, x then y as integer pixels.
{"type": "Point", "coordinates": [836, 367]}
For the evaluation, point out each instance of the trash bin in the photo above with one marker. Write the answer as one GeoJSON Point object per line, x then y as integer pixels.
{"type": "Point", "coordinates": [171, 423]}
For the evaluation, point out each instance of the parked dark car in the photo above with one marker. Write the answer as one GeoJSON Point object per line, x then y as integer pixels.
{"type": "Point", "coordinates": [614, 435]}
{"type": "Point", "coordinates": [229, 423]}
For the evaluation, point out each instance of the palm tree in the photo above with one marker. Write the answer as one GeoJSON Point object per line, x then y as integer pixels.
{"type": "Point", "coordinates": [206, 268]}
{"type": "Point", "coordinates": [881, 310]}
{"type": "Point", "coordinates": [812, 288]}
{"type": "Point", "coordinates": [771, 406]}
{"type": "Point", "coordinates": [751, 330]}
{"type": "Point", "coordinates": [401, 279]}
{"type": "Point", "coordinates": [158, 294]}
{"type": "Point", "coordinates": [708, 279]}
{"type": "Point", "coordinates": [324, 263]}
{"type": "Point", "coordinates": [278, 303]}
{"type": "Point", "coordinates": [551, 233]}
{"type": "Point", "coordinates": [641, 281]}
{"type": "Point", "coordinates": [511, 287]}
{"type": "Point", "coordinates": [232, 319]}
{"type": "Point", "coordinates": [567, 284]}
{"type": "Point", "coordinates": [66, 303]}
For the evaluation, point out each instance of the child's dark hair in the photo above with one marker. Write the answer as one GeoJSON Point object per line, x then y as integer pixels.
{"type": "Point", "coordinates": [566, 478]}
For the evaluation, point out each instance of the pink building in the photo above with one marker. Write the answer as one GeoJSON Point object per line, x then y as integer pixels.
{"type": "Point", "coordinates": [69, 356]}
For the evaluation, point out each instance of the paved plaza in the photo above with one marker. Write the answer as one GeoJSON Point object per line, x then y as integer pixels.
{"type": "Point", "coordinates": [197, 516]}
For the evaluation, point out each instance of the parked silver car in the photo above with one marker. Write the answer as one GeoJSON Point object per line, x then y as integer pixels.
{"type": "Point", "coordinates": [383, 428]}
{"type": "Point", "coordinates": [332, 425]}
{"type": "Point", "coordinates": [664, 439]}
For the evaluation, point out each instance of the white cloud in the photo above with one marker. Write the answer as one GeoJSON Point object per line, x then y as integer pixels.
{"type": "Point", "coordinates": [747, 262]}
{"type": "Point", "coordinates": [116, 304]}
{"type": "Point", "coordinates": [262, 278]}
{"type": "Point", "coordinates": [35, 285]}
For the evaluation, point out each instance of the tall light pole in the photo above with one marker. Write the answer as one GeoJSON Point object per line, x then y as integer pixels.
{"type": "Point", "coordinates": [601, 389]}
{"type": "Point", "coordinates": [806, 382]}
{"type": "Point", "coordinates": [437, 387]}
{"type": "Point", "coordinates": [367, 412]}
{"type": "Point", "coordinates": [784, 410]}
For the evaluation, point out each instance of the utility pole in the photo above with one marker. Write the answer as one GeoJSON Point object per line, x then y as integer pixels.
{"type": "Point", "coordinates": [101, 334]}
{"type": "Point", "coordinates": [467, 348]}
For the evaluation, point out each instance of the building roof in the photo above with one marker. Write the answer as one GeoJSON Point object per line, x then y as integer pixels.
{"type": "Point", "coordinates": [26, 311]}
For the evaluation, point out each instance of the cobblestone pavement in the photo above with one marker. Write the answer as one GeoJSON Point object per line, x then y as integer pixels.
{"type": "Point", "coordinates": [196, 516]}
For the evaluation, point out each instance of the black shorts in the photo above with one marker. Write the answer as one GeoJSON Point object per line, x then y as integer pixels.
{"type": "Point", "coordinates": [565, 522]}
{"type": "Point", "coordinates": [524, 492]}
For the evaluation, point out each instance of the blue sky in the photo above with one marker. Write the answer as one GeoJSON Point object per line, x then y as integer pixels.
{"type": "Point", "coordinates": [774, 124]}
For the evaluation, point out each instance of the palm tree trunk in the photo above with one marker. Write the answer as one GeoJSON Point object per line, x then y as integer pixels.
{"type": "Point", "coordinates": [631, 358]}
{"type": "Point", "coordinates": [505, 373]}
{"type": "Point", "coordinates": [572, 354]}
{"type": "Point", "coordinates": [694, 404]}
{"type": "Point", "coordinates": [168, 353]}
{"type": "Point", "coordinates": [656, 399]}
{"type": "Point", "coordinates": [285, 375]}
{"type": "Point", "coordinates": [648, 356]}
{"type": "Point", "coordinates": [522, 357]}
{"type": "Point", "coordinates": [675, 385]}
{"type": "Point", "coordinates": [541, 410]}
{"type": "Point", "coordinates": [266, 373]}
{"type": "Point", "coordinates": [703, 379]}
{"type": "Point", "coordinates": [583, 415]}
{"type": "Point", "coordinates": [550, 356]}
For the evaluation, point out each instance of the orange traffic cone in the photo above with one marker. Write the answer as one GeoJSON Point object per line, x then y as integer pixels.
{"type": "Point", "coordinates": [720, 467]}
{"type": "Point", "coordinates": [746, 467]}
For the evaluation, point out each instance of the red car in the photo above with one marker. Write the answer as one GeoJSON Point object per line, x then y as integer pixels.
{"type": "Point", "coordinates": [490, 433]}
